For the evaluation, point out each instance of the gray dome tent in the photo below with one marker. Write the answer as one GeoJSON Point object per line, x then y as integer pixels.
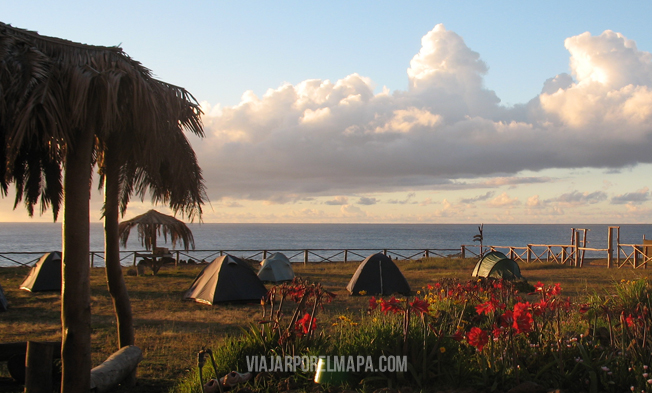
{"type": "Point", "coordinates": [497, 265]}
{"type": "Point", "coordinates": [45, 275]}
{"type": "Point", "coordinates": [378, 275]}
{"type": "Point", "coordinates": [226, 279]}
{"type": "Point", "coordinates": [276, 268]}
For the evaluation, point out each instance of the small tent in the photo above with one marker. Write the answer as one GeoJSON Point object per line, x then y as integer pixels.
{"type": "Point", "coordinates": [226, 279]}
{"type": "Point", "coordinates": [378, 275]}
{"type": "Point", "coordinates": [497, 265]}
{"type": "Point", "coordinates": [45, 275]}
{"type": "Point", "coordinates": [3, 300]}
{"type": "Point", "coordinates": [276, 268]}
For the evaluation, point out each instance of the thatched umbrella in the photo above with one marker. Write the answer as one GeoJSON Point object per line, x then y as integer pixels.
{"type": "Point", "coordinates": [65, 103]}
{"type": "Point", "coordinates": [152, 224]}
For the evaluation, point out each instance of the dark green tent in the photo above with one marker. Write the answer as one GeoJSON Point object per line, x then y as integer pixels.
{"type": "Point", "coordinates": [497, 265]}
{"type": "Point", "coordinates": [378, 275]}
{"type": "Point", "coordinates": [226, 279]}
{"type": "Point", "coordinates": [3, 300]}
{"type": "Point", "coordinates": [45, 275]}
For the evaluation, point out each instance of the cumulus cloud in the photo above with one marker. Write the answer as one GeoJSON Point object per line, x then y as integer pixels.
{"type": "Point", "coordinates": [635, 198]}
{"type": "Point", "coordinates": [478, 198]}
{"type": "Point", "coordinates": [328, 138]}
{"type": "Point", "coordinates": [338, 201]}
{"type": "Point", "coordinates": [367, 201]}
{"type": "Point", "coordinates": [503, 200]}
{"type": "Point", "coordinates": [576, 198]}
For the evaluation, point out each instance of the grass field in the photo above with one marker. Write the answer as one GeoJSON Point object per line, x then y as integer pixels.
{"type": "Point", "coordinates": [171, 331]}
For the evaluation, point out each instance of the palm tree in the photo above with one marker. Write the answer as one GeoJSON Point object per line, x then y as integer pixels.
{"type": "Point", "coordinates": [165, 165]}
{"type": "Point", "coordinates": [62, 103]}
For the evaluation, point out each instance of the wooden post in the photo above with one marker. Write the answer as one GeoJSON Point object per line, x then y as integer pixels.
{"type": "Point", "coordinates": [264, 254]}
{"type": "Point", "coordinates": [610, 248]}
{"type": "Point", "coordinates": [135, 257]}
{"type": "Point", "coordinates": [511, 253]}
{"type": "Point", "coordinates": [577, 248]}
{"type": "Point", "coordinates": [529, 253]}
{"type": "Point", "coordinates": [385, 252]}
{"type": "Point", "coordinates": [463, 252]}
{"type": "Point", "coordinates": [426, 253]}
{"type": "Point", "coordinates": [305, 257]}
{"type": "Point", "coordinates": [346, 256]}
{"type": "Point", "coordinates": [618, 246]}
{"type": "Point", "coordinates": [176, 260]}
{"type": "Point", "coordinates": [636, 251]}
{"type": "Point", "coordinates": [92, 259]}
{"type": "Point", "coordinates": [38, 367]}
{"type": "Point", "coordinates": [563, 255]}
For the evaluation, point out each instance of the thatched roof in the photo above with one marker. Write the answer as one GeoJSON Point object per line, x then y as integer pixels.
{"type": "Point", "coordinates": [153, 224]}
{"type": "Point", "coordinates": [52, 89]}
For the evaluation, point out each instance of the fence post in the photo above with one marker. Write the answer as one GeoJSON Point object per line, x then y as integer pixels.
{"type": "Point", "coordinates": [176, 261]}
{"type": "Point", "coordinates": [92, 259]}
{"type": "Point", "coordinates": [346, 256]}
{"type": "Point", "coordinates": [529, 253]}
{"type": "Point", "coordinates": [577, 248]}
{"type": "Point", "coordinates": [610, 248]}
{"type": "Point", "coordinates": [305, 257]}
{"type": "Point", "coordinates": [135, 257]}
{"type": "Point", "coordinates": [426, 253]}
{"type": "Point", "coordinates": [264, 254]}
{"type": "Point", "coordinates": [463, 252]}
{"type": "Point", "coordinates": [385, 252]}
{"type": "Point", "coordinates": [636, 251]}
{"type": "Point", "coordinates": [563, 255]}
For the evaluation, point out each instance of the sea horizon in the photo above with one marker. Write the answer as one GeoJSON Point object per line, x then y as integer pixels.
{"type": "Point", "coordinates": [44, 237]}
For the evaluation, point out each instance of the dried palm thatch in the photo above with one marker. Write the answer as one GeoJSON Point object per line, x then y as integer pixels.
{"type": "Point", "coordinates": [52, 89]}
{"type": "Point", "coordinates": [151, 225]}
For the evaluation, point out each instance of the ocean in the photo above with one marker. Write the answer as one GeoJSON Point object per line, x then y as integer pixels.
{"type": "Point", "coordinates": [246, 239]}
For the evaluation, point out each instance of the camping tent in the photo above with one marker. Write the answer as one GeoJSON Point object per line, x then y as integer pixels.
{"type": "Point", "coordinates": [276, 268]}
{"type": "Point", "coordinates": [3, 300]}
{"type": "Point", "coordinates": [496, 265]}
{"type": "Point", "coordinates": [226, 279]}
{"type": "Point", "coordinates": [378, 275]}
{"type": "Point", "coordinates": [45, 275]}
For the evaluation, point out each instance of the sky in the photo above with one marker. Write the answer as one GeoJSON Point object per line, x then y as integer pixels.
{"type": "Point", "coordinates": [394, 112]}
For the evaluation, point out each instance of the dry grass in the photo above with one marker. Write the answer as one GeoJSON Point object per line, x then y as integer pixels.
{"type": "Point", "coordinates": [171, 331]}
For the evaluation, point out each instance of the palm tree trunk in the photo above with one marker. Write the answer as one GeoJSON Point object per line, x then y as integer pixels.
{"type": "Point", "coordinates": [75, 294]}
{"type": "Point", "coordinates": [114, 278]}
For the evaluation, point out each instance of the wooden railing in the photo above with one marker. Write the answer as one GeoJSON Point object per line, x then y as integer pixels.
{"type": "Point", "coordinates": [635, 255]}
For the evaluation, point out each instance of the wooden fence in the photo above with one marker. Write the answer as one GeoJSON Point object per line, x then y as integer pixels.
{"type": "Point", "coordinates": [634, 255]}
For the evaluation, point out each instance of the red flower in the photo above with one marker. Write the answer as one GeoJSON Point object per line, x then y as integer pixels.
{"type": "Point", "coordinates": [303, 324]}
{"type": "Point", "coordinates": [522, 318]}
{"type": "Point", "coordinates": [487, 307]}
{"type": "Point", "coordinates": [420, 306]}
{"type": "Point", "coordinates": [538, 287]}
{"type": "Point", "coordinates": [584, 308]}
{"type": "Point", "coordinates": [458, 336]}
{"type": "Point", "coordinates": [372, 303]}
{"type": "Point", "coordinates": [477, 338]}
{"type": "Point", "coordinates": [541, 307]}
{"type": "Point", "coordinates": [390, 305]}
{"type": "Point", "coordinates": [631, 321]}
{"type": "Point", "coordinates": [555, 290]}
{"type": "Point", "coordinates": [507, 318]}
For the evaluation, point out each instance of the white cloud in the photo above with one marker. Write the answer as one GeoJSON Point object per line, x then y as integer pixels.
{"type": "Point", "coordinates": [323, 138]}
{"type": "Point", "coordinates": [635, 198]}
